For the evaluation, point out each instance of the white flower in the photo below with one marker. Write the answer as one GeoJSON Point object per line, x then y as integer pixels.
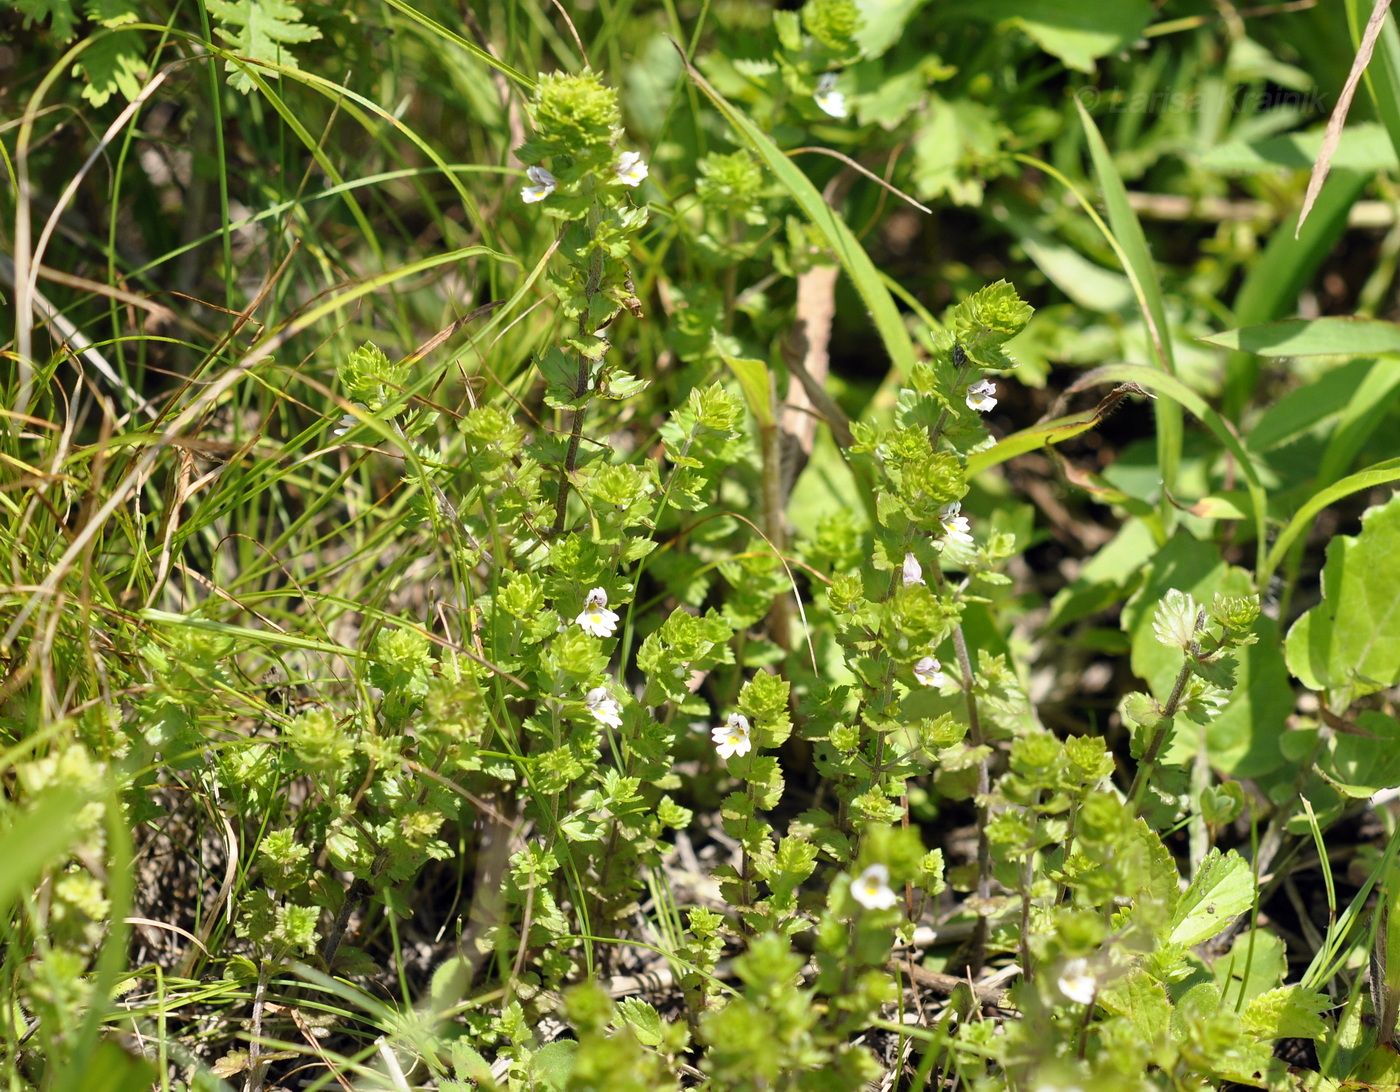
{"type": "Point", "coordinates": [605, 708]}
{"type": "Point", "coordinates": [982, 396]}
{"type": "Point", "coordinates": [631, 168]}
{"type": "Point", "coordinates": [542, 185]}
{"type": "Point", "coordinates": [955, 525]}
{"type": "Point", "coordinates": [830, 100]}
{"type": "Point", "coordinates": [1174, 621]}
{"type": "Point", "coordinates": [912, 572]}
{"type": "Point", "coordinates": [1077, 983]}
{"type": "Point", "coordinates": [595, 619]}
{"type": "Point", "coordinates": [930, 672]}
{"type": "Point", "coordinates": [349, 421]}
{"type": "Point", "coordinates": [732, 737]}
{"type": "Point", "coordinates": [872, 888]}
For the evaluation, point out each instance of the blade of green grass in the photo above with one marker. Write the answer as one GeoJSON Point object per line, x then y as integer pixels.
{"type": "Point", "coordinates": [1380, 473]}
{"type": "Point", "coordinates": [1173, 388]}
{"type": "Point", "coordinates": [463, 43]}
{"type": "Point", "coordinates": [1131, 246]}
{"type": "Point", "coordinates": [1313, 337]}
{"type": "Point", "coordinates": [1274, 281]}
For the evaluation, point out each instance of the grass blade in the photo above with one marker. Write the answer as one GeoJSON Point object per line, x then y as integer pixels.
{"type": "Point", "coordinates": [1378, 474]}
{"type": "Point", "coordinates": [1313, 337]}
{"type": "Point", "coordinates": [1289, 262]}
{"type": "Point", "coordinates": [1131, 246]}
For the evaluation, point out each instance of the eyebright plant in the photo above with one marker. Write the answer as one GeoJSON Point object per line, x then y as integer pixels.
{"type": "Point", "coordinates": [546, 710]}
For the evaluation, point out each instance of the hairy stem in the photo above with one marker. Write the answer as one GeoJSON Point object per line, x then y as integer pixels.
{"type": "Point", "coordinates": [566, 471]}
{"type": "Point", "coordinates": [978, 947]}
{"type": "Point", "coordinates": [1159, 736]}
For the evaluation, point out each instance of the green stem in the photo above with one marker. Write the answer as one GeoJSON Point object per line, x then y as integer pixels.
{"type": "Point", "coordinates": [566, 472]}
{"type": "Point", "coordinates": [984, 787]}
{"type": "Point", "coordinates": [1149, 757]}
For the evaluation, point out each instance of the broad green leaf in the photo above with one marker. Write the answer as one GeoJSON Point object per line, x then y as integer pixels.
{"type": "Point", "coordinates": [1313, 337]}
{"type": "Point", "coordinates": [34, 840]}
{"type": "Point", "coordinates": [1289, 1012]}
{"type": "Point", "coordinates": [1243, 738]}
{"type": "Point", "coordinates": [1222, 890]}
{"type": "Point", "coordinates": [853, 258]}
{"type": "Point", "coordinates": [1361, 763]}
{"type": "Point", "coordinates": [1255, 962]}
{"type": "Point", "coordinates": [1372, 400]}
{"type": "Point", "coordinates": [1380, 1068]}
{"type": "Point", "coordinates": [882, 23]}
{"type": "Point", "coordinates": [553, 1064]}
{"type": "Point", "coordinates": [1086, 283]}
{"type": "Point", "coordinates": [1349, 644]}
{"type": "Point", "coordinates": [1106, 578]}
{"type": "Point", "coordinates": [1300, 410]}
{"type": "Point", "coordinates": [467, 1062]}
{"type": "Point", "coordinates": [1365, 147]}
{"type": "Point", "coordinates": [754, 381]}
{"type": "Point", "coordinates": [958, 135]}
{"type": "Point", "coordinates": [1078, 32]}
{"type": "Point", "coordinates": [449, 984]}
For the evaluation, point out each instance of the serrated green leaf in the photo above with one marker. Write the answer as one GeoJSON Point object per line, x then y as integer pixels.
{"type": "Point", "coordinates": [1256, 962]}
{"type": "Point", "coordinates": [1289, 1012]}
{"type": "Point", "coordinates": [1243, 738]}
{"type": "Point", "coordinates": [1142, 1001]}
{"type": "Point", "coordinates": [882, 23]}
{"type": "Point", "coordinates": [59, 13]}
{"type": "Point", "coordinates": [263, 30]}
{"type": "Point", "coordinates": [1223, 889]}
{"type": "Point", "coordinates": [644, 1020]}
{"type": "Point", "coordinates": [35, 840]}
{"type": "Point", "coordinates": [110, 64]}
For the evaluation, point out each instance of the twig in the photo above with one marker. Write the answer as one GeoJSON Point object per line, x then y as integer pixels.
{"type": "Point", "coordinates": [946, 984]}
